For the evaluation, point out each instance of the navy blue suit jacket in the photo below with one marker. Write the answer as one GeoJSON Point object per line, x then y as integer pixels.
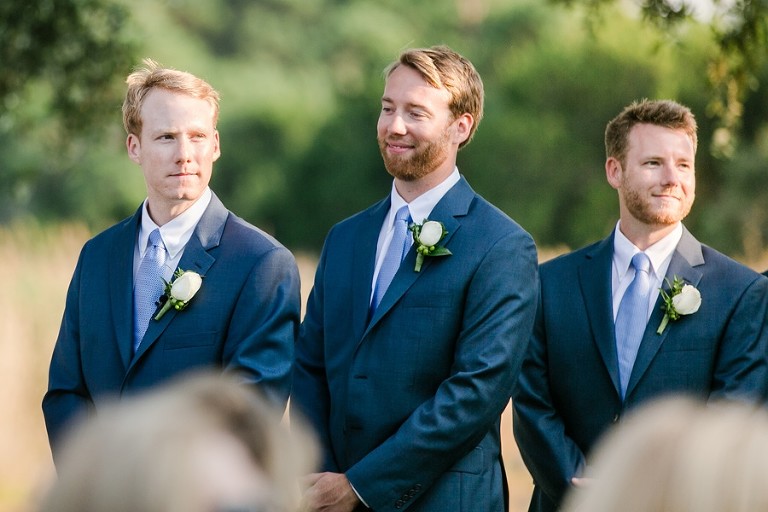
{"type": "Point", "coordinates": [408, 403]}
{"type": "Point", "coordinates": [568, 393]}
{"type": "Point", "coordinates": [244, 319]}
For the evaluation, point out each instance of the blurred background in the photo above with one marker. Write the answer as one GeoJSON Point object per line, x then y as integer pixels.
{"type": "Point", "coordinates": [300, 82]}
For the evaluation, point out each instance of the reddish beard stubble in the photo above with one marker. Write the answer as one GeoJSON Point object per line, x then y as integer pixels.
{"type": "Point", "coordinates": [426, 157]}
{"type": "Point", "coordinates": [642, 210]}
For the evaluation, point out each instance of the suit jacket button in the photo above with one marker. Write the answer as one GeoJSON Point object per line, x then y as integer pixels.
{"type": "Point", "coordinates": [615, 418]}
{"type": "Point", "coordinates": [399, 504]}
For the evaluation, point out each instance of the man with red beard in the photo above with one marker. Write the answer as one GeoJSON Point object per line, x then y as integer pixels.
{"type": "Point", "coordinates": [419, 317]}
{"type": "Point", "coordinates": [649, 311]}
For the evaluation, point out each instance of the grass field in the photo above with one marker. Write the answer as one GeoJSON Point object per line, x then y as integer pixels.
{"type": "Point", "coordinates": [37, 266]}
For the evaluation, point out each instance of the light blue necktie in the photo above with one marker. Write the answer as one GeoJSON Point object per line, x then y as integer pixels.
{"type": "Point", "coordinates": [149, 286]}
{"type": "Point", "coordinates": [632, 318]}
{"type": "Point", "coordinates": [398, 248]}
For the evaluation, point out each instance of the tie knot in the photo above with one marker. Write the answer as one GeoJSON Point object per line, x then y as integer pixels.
{"type": "Point", "coordinates": [403, 214]}
{"type": "Point", "coordinates": [155, 239]}
{"type": "Point", "coordinates": [641, 262]}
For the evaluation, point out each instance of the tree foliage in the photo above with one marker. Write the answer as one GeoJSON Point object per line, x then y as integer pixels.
{"type": "Point", "coordinates": [60, 83]}
{"type": "Point", "coordinates": [740, 30]}
{"type": "Point", "coordinates": [74, 49]}
{"type": "Point", "coordinates": [301, 80]}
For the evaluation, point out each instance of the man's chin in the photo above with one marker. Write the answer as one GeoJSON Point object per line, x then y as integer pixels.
{"type": "Point", "coordinates": [398, 170]}
{"type": "Point", "coordinates": [664, 220]}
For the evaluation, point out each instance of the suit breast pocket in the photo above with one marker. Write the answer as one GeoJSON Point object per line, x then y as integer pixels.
{"type": "Point", "coordinates": [681, 368]}
{"type": "Point", "coordinates": [190, 340]}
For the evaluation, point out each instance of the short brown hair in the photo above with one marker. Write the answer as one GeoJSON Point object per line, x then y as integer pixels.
{"type": "Point", "coordinates": [153, 75]}
{"type": "Point", "coordinates": [666, 113]}
{"type": "Point", "coordinates": [443, 68]}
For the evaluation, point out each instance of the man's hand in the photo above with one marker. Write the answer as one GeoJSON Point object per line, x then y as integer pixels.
{"type": "Point", "coordinates": [329, 492]}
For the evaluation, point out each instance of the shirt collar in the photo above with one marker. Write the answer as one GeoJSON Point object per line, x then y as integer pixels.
{"type": "Point", "coordinates": [177, 232]}
{"type": "Point", "coordinates": [659, 253]}
{"type": "Point", "coordinates": [422, 206]}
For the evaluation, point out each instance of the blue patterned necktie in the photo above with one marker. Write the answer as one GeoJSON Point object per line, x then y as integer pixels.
{"type": "Point", "coordinates": [632, 318]}
{"type": "Point", "coordinates": [398, 248]}
{"type": "Point", "coordinates": [149, 286]}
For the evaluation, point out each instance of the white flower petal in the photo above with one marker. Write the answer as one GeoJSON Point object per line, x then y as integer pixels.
{"type": "Point", "coordinates": [186, 286]}
{"type": "Point", "coordinates": [687, 301]}
{"type": "Point", "coordinates": [431, 232]}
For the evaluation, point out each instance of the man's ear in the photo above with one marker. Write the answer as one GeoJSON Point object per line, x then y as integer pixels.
{"type": "Point", "coordinates": [613, 172]}
{"type": "Point", "coordinates": [217, 147]}
{"type": "Point", "coordinates": [464, 124]}
{"type": "Point", "coordinates": [133, 145]}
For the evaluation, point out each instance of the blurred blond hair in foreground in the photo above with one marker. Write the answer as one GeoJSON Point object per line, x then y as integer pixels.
{"type": "Point", "coordinates": [203, 443]}
{"type": "Point", "coordinates": [678, 455]}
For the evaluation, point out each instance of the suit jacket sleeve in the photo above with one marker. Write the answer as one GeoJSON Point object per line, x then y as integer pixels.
{"type": "Point", "coordinates": [260, 340]}
{"type": "Point", "coordinates": [497, 317]}
{"type": "Point", "coordinates": [68, 395]}
{"type": "Point", "coordinates": [741, 369]}
{"type": "Point", "coordinates": [549, 454]}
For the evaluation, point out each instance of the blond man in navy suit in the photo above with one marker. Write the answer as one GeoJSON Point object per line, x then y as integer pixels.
{"type": "Point", "coordinates": [245, 315]}
{"type": "Point", "coordinates": [406, 394]}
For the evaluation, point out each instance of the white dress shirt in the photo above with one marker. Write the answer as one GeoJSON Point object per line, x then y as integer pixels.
{"type": "Point", "coordinates": [419, 208]}
{"type": "Point", "coordinates": [622, 273]}
{"type": "Point", "coordinates": [175, 234]}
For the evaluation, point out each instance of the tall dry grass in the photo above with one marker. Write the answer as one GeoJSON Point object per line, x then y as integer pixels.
{"type": "Point", "coordinates": [37, 263]}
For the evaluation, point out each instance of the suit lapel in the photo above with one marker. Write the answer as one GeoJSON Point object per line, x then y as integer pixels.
{"type": "Point", "coordinates": [685, 259]}
{"type": "Point", "coordinates": [364, 264]}
{"type": "Point", "coordinates": [120, 284]}
{"type": "Point", "coordinates": [595, 282]}
{"type": "Point", "coordinates": [454, 204]}
{"type": "Point", "coordinates": [196, 258]}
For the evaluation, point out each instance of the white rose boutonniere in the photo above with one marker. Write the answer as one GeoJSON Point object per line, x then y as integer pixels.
{"type": "Point", "coordinates": [426, 236]}
{"type": "Point", "coordinates": [682, 299]}
{"type": "Point", "coordinates": [181, 289]}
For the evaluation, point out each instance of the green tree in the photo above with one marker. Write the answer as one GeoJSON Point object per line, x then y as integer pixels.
{"type": "Point", "coordinates": [740, 30]}
{"type": "Point", "coordinates": [300, 83]}
{"type": "Point", "coordinates": [72, 50]}
{"type": "Point", "coordinates": [60, 69]}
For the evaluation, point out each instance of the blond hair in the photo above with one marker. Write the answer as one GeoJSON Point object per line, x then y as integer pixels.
{"type": "Point", "coordinates": [443, 68]}
{"type": "Point", "coordinates": [679, 455]}
{"type": "Point", "coordinates": [153, 75]}
{"type": "Point", "coordinates": [154, 453]}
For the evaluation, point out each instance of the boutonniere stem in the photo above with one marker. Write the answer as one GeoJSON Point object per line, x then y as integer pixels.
{"type": "Point", "coordinates": [178, 292]}
{"type": "Point", "coordinates": [426, 237]}
{"type": "Point", "coordinates": [681, 299]}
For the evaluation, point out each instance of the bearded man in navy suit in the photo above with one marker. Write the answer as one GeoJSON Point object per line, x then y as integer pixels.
{"type": "Point", "coordinates": [405, 386]}
{"type": "Point", "coordinates": [244, 317]}
{"type": "Point", "coordinates": [582, 372]}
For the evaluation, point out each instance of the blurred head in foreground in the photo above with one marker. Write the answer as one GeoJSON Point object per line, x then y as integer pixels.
{"type": "Point", "coordinates": [677, 455]}
{"type": "Point", "coordinates": [201, 444]}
